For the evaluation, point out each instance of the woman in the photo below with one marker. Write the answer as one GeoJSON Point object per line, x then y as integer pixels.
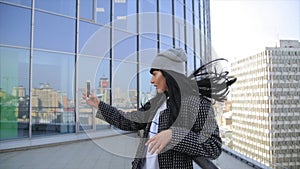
{"type": "Point", "coordinates": [178, 122]}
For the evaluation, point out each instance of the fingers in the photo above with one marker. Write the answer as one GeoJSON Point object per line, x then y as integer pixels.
{"type": "Point", "coordinates": [159, 142]}
{"type": "Point", "coordinates": [149, 141]}
{"type": "Point", "coordinates": [92, 95]}
{"type": "Point", "coordinates": [155, 145]}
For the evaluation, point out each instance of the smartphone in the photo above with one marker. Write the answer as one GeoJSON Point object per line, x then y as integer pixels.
{"type": "Point", "coordinates": [88, 88]}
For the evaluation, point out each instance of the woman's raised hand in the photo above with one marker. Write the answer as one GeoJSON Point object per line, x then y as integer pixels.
{"type": "Point", "coordinates": [92, 100]}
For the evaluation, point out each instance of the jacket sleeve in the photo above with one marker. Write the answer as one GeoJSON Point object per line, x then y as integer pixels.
{"type": "Point", "coordinates": [129, 121]}
{"type": "Point", "coordinates": [200, 137]}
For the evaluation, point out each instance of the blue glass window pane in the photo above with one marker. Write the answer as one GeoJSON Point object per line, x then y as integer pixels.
{"type": "Point", "coordinates": [15, 25]}
{"type": "Point", "coordinates": [148, 6]}
{"type": "Point", "coordinates": [190, 61]}
{"type": "Point", "coordinates": [14, 93]}
{"type": "Point", "coordinates": [148, 12]}
{"type": "Point", "coordinates": [165, 6]}
{"type": "Point", "coordinates": [196, 8]}
{"type": "Point", "coordinates": [189, 11]}
{"type": "Point", "coordinates": [131, 7]}
{"type": "Point", "coordinates": [197, 43]}
{"type": "Point", "coordinates": [54, 33]}
{"type": "Point", "coordinates": [103, 12]}
{"type": "Point", "coordinates": [125, 48]}
{"type": "Point", "coordinates": [125, 8]}
{"type": "Point", "coordinates": [53, 93]}
{"type": "Point", "coordinates": [93, 39]}
{"type": "Point", "coordinates": [179, 9]}
{"type": "Point", "coordinates": [86, 9]}
{"type": "Point", "coordinates": [190, 35]}
{"type": "Point", "coordinates": [148, 41]}
{"type": "Point", "coordinates": [102, 88]}
{"type": "Point", "coordinates": [148, 48]}
{"type": "Point", "coordinates": [166, 42]}
{"type": "Point", "coordinates": [179, 34]}
{"type": "Point", "coordinates": [65, 7]}
{"type": "Point", "coordinates": [21, 2]}
{"type": "Point", "coordinates": [86, 30]}
{"type": "Point", "coordinates": [166, 29]}
{"type": "Point", "coordinates": [196, 15]}
{"type": "Point", "coordinates": [125, 15]}
{"type": "Point", "coordinates": [124, 90]}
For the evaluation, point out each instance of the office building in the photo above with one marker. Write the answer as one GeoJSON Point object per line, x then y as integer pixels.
{"type": "Point", "coordinates": [48, 49]}
{"type": "Point", "coordinates": [266, 106]}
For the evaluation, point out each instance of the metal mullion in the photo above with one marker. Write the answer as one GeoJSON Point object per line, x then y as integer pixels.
{"type": "Point", "coordinates": [30, 68]}
{"type": "Point", "coordinates": [110, 50]}
{"type": "Point", "coordinates": [158, 30]}
{"type": "Point", "coordinates": [185, 25]}
{"type": "Point", "coordinates": [173, 22]}
{"type": "Point", "coordinates": [76, 68]}
{"type": "Point", "coordinates": [194, 34]}
{"type": "Point", "coordinates": [137, 49]}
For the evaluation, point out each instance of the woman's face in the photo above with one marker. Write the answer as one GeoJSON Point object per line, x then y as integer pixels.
{"type": "Point", "coordinates": [159, 81]}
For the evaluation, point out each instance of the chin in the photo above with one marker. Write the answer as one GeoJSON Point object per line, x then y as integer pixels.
{"type": "Point", "coordinates": [160, 91]}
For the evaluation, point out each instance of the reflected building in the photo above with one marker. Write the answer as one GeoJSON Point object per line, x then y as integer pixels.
{"type": "Point", "coordinates": [19, 91]}
{"type": "Point", "coordinates": [104, 89]}
{"type": "Point", "coordinates": [266, 106]}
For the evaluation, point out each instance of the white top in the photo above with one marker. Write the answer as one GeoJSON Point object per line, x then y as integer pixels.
{"type": "Point", "coordinates": [151, 159]}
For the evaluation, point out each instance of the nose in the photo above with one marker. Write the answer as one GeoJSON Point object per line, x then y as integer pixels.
{"type": "Point", "coordinates": [152, 80]}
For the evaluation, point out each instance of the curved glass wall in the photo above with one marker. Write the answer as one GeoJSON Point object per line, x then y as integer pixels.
{"type": "Point", "coordinates": [48, 50]}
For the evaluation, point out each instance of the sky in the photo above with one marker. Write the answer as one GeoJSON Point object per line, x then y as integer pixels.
{"type": "Point", "coordinates": [241, 28]}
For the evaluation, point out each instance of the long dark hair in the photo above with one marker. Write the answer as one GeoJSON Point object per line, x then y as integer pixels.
{"type": "Point", "coordinates": [206, 81]}
{"type": "Point", "coordinates": [173, 96]}
{"type": "Point", "coordinates": [213, 83]}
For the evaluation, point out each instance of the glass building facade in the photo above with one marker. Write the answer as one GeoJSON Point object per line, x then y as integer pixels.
{"type": "Point", "coordinates": [50, 48]}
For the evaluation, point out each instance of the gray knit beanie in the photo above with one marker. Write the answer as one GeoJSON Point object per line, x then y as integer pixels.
{"type": "Point", "coordinates": [172, 59]}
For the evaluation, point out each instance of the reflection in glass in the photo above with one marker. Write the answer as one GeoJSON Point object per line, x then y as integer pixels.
{"type": "Point", "coordinates": [179, 34]}
{"type": "Point", "coordinates": [124, 94]}
{"type": "Point", "coordinates": [179, 12]}
{"type": "Point", "coordinates": [103, 12]}
{"type": "Point", "coordinates": [15, 25]}
{"type": "Point", "coordinates": [148, 42]}
{"type": "Point", "coordinates": [53, 93]}
{"type": "Point", "coordinates": [21, 2]}
{"type": "Point", "coordinates": [14, 93]}
{"type": "Point", "coordinates": [124, 15]}
{"type": "Point", "coordinates": [102, 88]}
{"type": "Point", "coordinates": [125, 49]}
{"type": "Point", "coordinates": [148, 6]}
{"type": "Point", "coordinates": [196, 13]}
{"type": "Point", "coordinates": [87, 9]}
{"type": "Point", "coordinates": [189, 11]}
{"type": "Point", "coordinates": [165, 30]}
{"type": "Point", "coordinates": [94, 40]}
{"type": "Point", "coordinates": [54, 33]}
{"type": "Point", "coordinates": [179, 24]}
{"type": "Point", "coordinates": [65, 7]}
{"type": "Point", "coordinates": [165, 6]}
{"type": "Point", "coordinates": [148, 12]}
{"type": "Point", "coordinates": [146, 90]}
{"type": "Point", "coordinates": [97, 70]}
{"type": "Point", "coordinates": [190, 61]}
{"type": "Point", "coordinates": [165, 42]}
